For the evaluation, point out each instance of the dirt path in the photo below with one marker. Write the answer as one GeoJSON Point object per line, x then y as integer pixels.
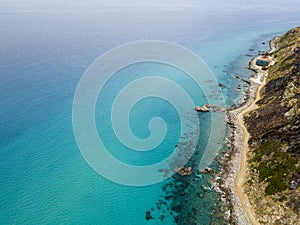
{"type": "Point", "coordinates": [241, 176]}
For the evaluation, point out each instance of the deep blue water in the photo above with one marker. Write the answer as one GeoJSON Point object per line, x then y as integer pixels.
{"type": "Point", "coordinates": [44, 53]}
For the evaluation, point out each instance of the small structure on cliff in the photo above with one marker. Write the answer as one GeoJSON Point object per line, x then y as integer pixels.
{"type": "Point", "coordinates": [263, 60]}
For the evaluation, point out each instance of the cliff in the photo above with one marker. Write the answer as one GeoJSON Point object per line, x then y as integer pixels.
{"type": "Point", "coordinates": [273, 184]}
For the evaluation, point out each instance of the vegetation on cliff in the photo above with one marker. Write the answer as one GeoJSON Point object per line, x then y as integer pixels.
{"type": "Point", "coordinates": [275, 126]}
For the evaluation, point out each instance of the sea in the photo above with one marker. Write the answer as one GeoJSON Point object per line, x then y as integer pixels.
{"type": "Point", "coordinates": [46, 50]}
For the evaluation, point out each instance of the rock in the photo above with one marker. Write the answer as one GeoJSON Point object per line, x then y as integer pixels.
{"type": "Point", "coordinates": [293, 185]}
{"type": "Point", "coordinates": [183, 171]}
{"type": "Point", "coordinates": [201, 109]}
{"type": "Point", "coordinates": [246, 81]}
{"type": "Point", "coordinates": [237, 77]}
{"type": "Point", "coordinates": [209, 170]}
{"type": "Point", "coordinates": [221, 85]}
{"type": "Point", "coordinates": [148, 215]}
{"type": "Point", "coordinates": [204, 188]}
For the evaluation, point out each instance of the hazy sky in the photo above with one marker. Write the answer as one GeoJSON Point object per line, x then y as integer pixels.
{"type": "Point", "coordinates": [266, 5]}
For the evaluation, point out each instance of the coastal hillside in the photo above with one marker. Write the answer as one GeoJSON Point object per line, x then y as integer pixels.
{"type": "Point", "coordinates": [273, 185]}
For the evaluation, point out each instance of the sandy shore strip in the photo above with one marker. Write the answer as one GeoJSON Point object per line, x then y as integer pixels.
{"type": "Point", "coordinates": [235, 175]}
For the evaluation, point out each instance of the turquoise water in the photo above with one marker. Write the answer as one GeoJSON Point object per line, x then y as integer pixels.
{"type": "Point", "coordinates": [44, 178]}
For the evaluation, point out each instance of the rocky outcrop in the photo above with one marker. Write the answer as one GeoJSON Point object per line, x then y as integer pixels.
{"type": "Point", "coordinates": [274, 181]}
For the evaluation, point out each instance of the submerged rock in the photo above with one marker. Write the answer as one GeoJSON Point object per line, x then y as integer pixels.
{"type": "Point", "coordinates": [148, 215]}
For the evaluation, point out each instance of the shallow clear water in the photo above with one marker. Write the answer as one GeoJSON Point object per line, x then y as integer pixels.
{"type": "Point", "coordinates": [44, 178]}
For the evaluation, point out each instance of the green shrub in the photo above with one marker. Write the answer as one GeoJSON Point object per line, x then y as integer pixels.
{"type": "Point", "coordinates": [283, 198]}
{"type": "Point", "coordinates": [266, 149]}
{"type": "Point", "coordinates": [276, 184]}
{"type": "Point", "coordinates": [274, 166]}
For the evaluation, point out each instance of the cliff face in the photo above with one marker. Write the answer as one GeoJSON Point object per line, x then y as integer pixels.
{"type": "Point", "coordinates": [275, 135]}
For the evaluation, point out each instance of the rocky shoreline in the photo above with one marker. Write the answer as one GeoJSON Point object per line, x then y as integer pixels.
{"type": "Point", "coordinates": [231, 183]}
{"type": "Point", "coordinates": [232, 160]}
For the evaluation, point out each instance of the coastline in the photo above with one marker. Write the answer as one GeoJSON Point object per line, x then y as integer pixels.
{"type": "Point", "coordinates": [235, 173]}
